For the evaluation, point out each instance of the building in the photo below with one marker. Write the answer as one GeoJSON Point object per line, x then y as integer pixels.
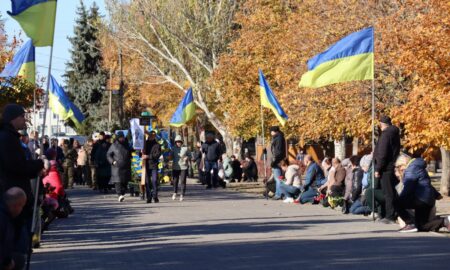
{"type": "Point", "coordinates": [53, 126]}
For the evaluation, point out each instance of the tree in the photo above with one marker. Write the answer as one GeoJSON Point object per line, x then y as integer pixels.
{"type": "Point", "coordinates": [14, 90]}
{"type": "Point", "coordinates": [86, 78]}
{"type": "Point", "coordinates": [423, 55]}
{"type": "Point", "coordinates": [179, 42]}
{"type": "Point", "coordinates": [279, 37]}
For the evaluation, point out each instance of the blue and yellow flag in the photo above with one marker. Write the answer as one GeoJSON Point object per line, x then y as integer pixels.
{"type": "Point", "coordinates": [37, 19]}
{"type": "Point", "coordinates": [185, 110]}
{"type": "Point", "coordinates": [349, 59]}
{"type": "Point", "coordinates": [23, 64]}
{"type": "Point", "coordinates": [61, 105]}
{"type": "Point", "coordinates": [269, 100]}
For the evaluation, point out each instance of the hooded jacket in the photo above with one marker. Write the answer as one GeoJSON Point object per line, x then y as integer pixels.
{"type": "Point", "coordinates": [417, 183]}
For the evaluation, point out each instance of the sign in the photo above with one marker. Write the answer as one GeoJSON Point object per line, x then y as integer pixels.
{"type": "Point", "coordinates": [137, 132]}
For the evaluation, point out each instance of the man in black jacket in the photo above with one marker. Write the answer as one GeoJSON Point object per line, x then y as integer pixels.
{"type": "Point", "coordinates": [212, 152]}
{"type": "Point", "coordinates": [152, 152]}
{"type": "Point", "coordinates": [15, 169]}
{"type": "Point", "coordinates": [119, 156]}
{"type": "Point", "coordinates": [386, 152]}
{"type": "Point", "coordinates": [278, 149]}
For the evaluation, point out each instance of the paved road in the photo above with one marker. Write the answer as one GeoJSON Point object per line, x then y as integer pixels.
{"type": "Point", "coordinates": [218, 229]}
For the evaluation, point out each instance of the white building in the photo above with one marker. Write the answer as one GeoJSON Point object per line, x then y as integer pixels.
{"type": "Point", "coordinates": [54, 125]}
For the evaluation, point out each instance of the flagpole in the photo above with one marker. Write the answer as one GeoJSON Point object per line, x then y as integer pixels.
{"type": "Point", "coordinates": [36, 193]}
{"type": "Point", "coordinates": [373, 129]}
{"type": "Point", "coordinates": [263, 142]}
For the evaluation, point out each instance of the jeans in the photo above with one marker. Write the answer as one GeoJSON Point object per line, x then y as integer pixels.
{"type": "Point", "coordinates": [211, 165]}
{"type": "Point", "coordinates": [179, 177]}
{"type": "Point", "coordinates": [288, 191]}
{"type": "Point", "coordinates": [308, 195]}
{"type": "Point", "coordinates": [421, 215]}
{"type": "Point", "coordinates": [151, 183]}
{"type": "Point", "coordinates": [276, 171]}
{"type": "Point", "coordinates": [358, 208]}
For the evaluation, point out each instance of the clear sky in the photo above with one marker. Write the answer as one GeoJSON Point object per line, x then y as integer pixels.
{"type": "Point", "coordinates": [65, 21]}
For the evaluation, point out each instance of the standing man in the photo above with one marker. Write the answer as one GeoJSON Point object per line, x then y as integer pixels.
{"type": "Point", "coordinates": [212, 151]}
{"type": "Point", "coordinates": [197, 159]}
{"type": "Point", "coordinates": [15, 169]}
{"type": "Point", "coordinates": [70, 159]}
{"type": "Point", "coordinates": [119, 156]}
{"type": "Point", "coordinates": [180, 157]}
{"type": "Point", "coordinates": [33, 144]}
{"type": "Point", "coordinates": [151, 156]}
{"type": "Point", "coordinates": [94, 166]}
{"type": "Point", "coordinates": [386, 153]}
{"type": "Point", "coordinates": [90, 167]}
{"type": "Point", "coordinates": [278, 149]}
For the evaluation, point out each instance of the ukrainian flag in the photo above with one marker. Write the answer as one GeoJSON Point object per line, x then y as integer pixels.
{"type": "Point", "coordinates": [61, 105]}
{"type": "Point", "coordinates": [37, 19]}
{"type": "Point", "coordinates": [23, 64]}
{"type": "Point", "coordinates": [185, 110]}
{"type": "Point", "coordinates": [269, 100]}
{"type": "Point", "coordinates": [349, 59]}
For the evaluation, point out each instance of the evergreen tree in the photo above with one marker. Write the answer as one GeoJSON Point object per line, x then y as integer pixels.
{"type": "Point", "coordinates": [86, 78]}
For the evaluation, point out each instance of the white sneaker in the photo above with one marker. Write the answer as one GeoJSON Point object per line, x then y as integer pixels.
{"type": "Point", "coordinates": [181, 198]}
{"type": "Point", "coordinates": [174, 196]}
{"type": "Point", "coordinates": [288, 200]}
{"type": "Point", "coordinates": [447, 222]}
{"type": "Point", "coordinates": [121, 198]}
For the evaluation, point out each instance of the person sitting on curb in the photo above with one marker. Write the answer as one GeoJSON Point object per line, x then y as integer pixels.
{"type": "Point", "coordinates": [314, 175]}
{"type": "Point", "coordinates": [417, 194]}
{"type": "Point", "coordinates": [290, 188]}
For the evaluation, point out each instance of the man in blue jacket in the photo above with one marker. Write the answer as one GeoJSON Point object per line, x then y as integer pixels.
{"type": "Point", "coordinates": [417, 194]}
{"type": "Point", "coordinates": [314, 177]}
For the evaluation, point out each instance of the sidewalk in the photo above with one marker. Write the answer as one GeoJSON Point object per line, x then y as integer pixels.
{"type": "Point", "coordinates": [220, 229]}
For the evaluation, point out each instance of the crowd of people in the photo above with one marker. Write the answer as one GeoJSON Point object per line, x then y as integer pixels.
{"type": "Point", "coordinates": [388, 183]}
{"type": "Point", "coordinates": [393, 186]}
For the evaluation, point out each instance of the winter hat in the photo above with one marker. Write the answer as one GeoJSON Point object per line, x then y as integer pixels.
{"type": "Point", "coordinates": [178, 139]}
{"type": "Point", "coordinates": [366, 161]}
{"type": "Point", "coordinates": [386, 120]}
{"type": "Point", "coordinates": [120, 134]}
{"type": "Point", "coordinates": [11, 112]}
{"type": "Point", "coordinates": [275, 128]}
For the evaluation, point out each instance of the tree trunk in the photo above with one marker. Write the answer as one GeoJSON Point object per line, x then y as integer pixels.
{"type": "Point", "coordinates": [355, 146]}
{"type": "Point", "coordinates": [445, 178]}
{"type": "Point", "coordinates": [339, 149]}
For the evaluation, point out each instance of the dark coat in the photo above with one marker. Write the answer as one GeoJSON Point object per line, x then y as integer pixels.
{"type": "Point", "coordinates": [417, 183]}
{"type": "Point", "coordinates": [251, 170]}
{"type": "Point", "coordinates": [119, 156]}
{"type": "Point", "coordinates": [358, 175]}
{"type": "Point", "coordinates": [278, 149]}
{"type": "Point", "coordinates": [15, 170]}
{"type": "Point", "coordinates": [152, 149]}
{"type": "Point", "coordinates": [212, 150]}
{"type": "Point", "coordinates": [103, 166]}
{"type": "Point", "coordinates": [387, 149]}
{"type": "Point", "coordinates": [7, 236]}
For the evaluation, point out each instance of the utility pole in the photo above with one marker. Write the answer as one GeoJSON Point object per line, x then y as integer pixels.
{"type": "Point", "coordinates": [121, 91]}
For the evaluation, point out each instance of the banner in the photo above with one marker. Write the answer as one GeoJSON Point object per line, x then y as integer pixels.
{"type": "Point", "coordinates": [137, 132]}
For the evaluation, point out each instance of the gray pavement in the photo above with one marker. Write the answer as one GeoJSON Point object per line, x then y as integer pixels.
{"type": "Point", "coordinates": [219, 229]}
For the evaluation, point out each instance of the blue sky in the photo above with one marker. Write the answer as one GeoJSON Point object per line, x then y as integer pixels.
{"type": "Point", "coordinates": [65, 21]}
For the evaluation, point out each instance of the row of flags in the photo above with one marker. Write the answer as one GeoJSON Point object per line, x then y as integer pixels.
{"type": "Point", "coordinates": [37, 19]}
{"type": "Point", "coordinates": [349, 59]}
